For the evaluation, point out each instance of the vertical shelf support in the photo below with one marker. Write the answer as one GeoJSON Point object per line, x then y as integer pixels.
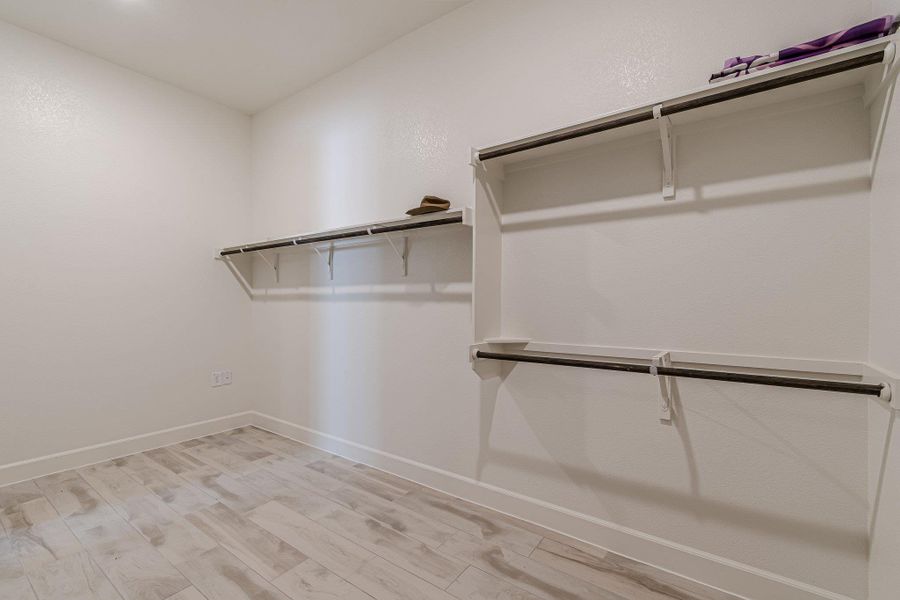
{"type": "Point", "coordinates": [884, 90]}
{"type": "Point", "coordinates": [891, 65]}
{"type": "Point", "coordinates": [666, 386]}
{"type": "Point", "coordinates": [668, 152]}
{"type": "Point", "coordinates": [329, 260]}
{"type": "Point", "coordinates": [274, 266]}
{"type": "Point", "coordinates": [404, 255]}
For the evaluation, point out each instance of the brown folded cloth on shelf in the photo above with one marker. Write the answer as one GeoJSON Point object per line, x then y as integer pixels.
{"type": "Point", "coordinates": [429, 204]}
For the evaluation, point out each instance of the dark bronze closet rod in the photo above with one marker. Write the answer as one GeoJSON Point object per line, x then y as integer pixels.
{"type": "Point", "coordinates": [868, 389]}
{"type": "Point", "coordinates": [671, 109]}
{"type": "Point", "coordinates": [314, 238]}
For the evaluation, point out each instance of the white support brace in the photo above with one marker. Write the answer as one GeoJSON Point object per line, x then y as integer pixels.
{"type": "Point", "coordinates": [329, 260]}
{"type": "Point", "coordinates": [666, 386]}
{"type": "Point", "coordinates": [883, 89]}
{"type": "Point", "coordinates": [274, 266]}
{"type": "Point", "coordinates": [891, 66]}
{"type": "Point", "coordinates": [404, 256]}
{"type": "Point", "coordinates": [668, 152]}
{"type": "Point", "coordinates": [474, 160]}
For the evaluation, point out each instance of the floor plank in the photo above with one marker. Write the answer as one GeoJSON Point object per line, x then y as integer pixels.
{"type": "Point", "coordinates": [37, 534]}
{"type": "Point", "coordinates": [173, 459]}
{"type": "Point", "coordinates": [130, 562]}
{"type": "Point", "coordinates": [297, 472]}
{"type": "Point", "coordinates": [17, 493]}
{"type": "Point", "coordinates": [282, 489]}
{"type": "Point", "coordinates": [622, 575]}
{"type": "Point", "coordinates": [337, 554]}
{"type": "Point", "coordinates": [190, 593]}
{"type": "Point", "coordinates": [405, 552]}
{"type": "Point", "coordinates": [263, 552]}
{"type": "Point", "coordinates": [220, 459]}
{"type": "Point", "coordinates": [227, 490]}
{"type": "Point", "coordinates": [14, 585]}
{"type": "Point", "coordinates": [113, 484]}
{"type": "Point", "coordinates": [475, 584]}
{"type": "Point", "coordinates": [520, 571]}
{"type": "Point", "coordinates": [428, 531]}
{"type": "Point", "coordinates": [76, 577]}
{"type": "Point", "coordinates": [169, 532]}
{"type": "Point", "coordinates": [472, 519]}
{"type": "Point", "coordinates": [76, 502]}
{"type": "Point", "coordinates": [385, 581]}
{"type": "Point", "coordinates": [279, 445]}
{"type": "Point", "coordinates": [356, 479]}
{"type": "Point", "coordinates": [385, 477]}
{"type": "Point", "coordinates": [219, 575]}
{"type": "Point", "coordinates": [374, 575]}
{"type": "Point", "coordinates": [174, 490]}
{"type": "Point", "coordinates": [237, 446]}
{"type": "Point", "coordinates": [311, 581]}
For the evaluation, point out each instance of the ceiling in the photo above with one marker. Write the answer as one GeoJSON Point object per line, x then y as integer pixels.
{"type": "Point", "coordinates": [247, 54]}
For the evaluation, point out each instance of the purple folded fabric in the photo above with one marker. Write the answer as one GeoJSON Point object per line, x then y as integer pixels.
{"type": "Point", "coordinates": [743, 65]}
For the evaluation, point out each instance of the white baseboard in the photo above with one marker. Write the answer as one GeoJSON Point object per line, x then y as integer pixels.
{"type": "Point", "coordinates": [728, 575]}
{"type": "Point", "coordinates": [80, 457]}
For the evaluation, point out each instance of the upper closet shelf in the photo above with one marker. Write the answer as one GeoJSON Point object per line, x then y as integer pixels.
{"type": "Point", "coordinates": [871, 65]}
{"type": "Point", "coordinates": [450, 217]}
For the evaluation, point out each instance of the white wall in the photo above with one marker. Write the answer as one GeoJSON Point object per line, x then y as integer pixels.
{"type": "Point", "coordinates": [114, 191]}
{"type": "Point", "coordinates": [884, 351]}
{"type": "Point", "coordinates": [775, 480]}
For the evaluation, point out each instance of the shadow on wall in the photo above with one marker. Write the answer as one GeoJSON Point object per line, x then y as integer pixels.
{"type": "Point", "coordinates": [601, 436]}
{"type": "Point", "coordinates": [890, 418]}
{"type": "Point", "coordinates": [847, 540]}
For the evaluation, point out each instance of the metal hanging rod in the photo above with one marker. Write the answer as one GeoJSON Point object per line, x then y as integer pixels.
{"type": "Point", "coordinates": [646, 114]}
{"type": "Point", "coordinates": [327, 236]}
{"type": "Point", "coordinates": [881, 390]}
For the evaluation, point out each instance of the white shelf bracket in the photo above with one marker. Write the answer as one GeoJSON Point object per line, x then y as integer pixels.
{"type": "Point", "coordinates": [666, 386]}
{"type": "Point", "coordinates": [274, 266]}
{"type": "Point", "coordinates": [474, 161]}
{"type": "Point", "coordinates": [404, 255]}
{"type": "Point", "coordinates": [667, 139]}
{"type": "Point", "coordinates": [884, 89]}
{"type": "Point", "coordinates": [891, 66]}
{"type": "Point", "coordinates": [329, 260]}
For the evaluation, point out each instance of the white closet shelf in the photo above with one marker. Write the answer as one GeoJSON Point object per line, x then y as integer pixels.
{"type": "Point", "coordinates": [871, 65]}
{"type": "Point", "coordinates": [356, 233]}
{"type": "Point", "coordinates": [749, 362]}
{"type": "Point", "coordinates": [841, 376]}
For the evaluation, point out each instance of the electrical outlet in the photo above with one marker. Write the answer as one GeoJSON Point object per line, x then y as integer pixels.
{"type": "Point", "coordinates": [220, 378]}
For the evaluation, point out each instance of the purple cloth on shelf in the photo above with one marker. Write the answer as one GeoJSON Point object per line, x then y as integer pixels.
{"type": "Point", "coordinates": [743, 65]}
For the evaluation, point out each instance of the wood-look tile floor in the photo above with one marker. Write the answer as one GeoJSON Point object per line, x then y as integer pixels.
{"type": "Point", "coordinates": [248, 514]}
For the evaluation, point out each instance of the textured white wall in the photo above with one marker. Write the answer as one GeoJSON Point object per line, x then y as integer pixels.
{"type": "Point", "coordinates": [884, 351]}
{"type": "Point", "coordinates": [114, 191]}
{"type": "Point", "coordinates": [775, 479]}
